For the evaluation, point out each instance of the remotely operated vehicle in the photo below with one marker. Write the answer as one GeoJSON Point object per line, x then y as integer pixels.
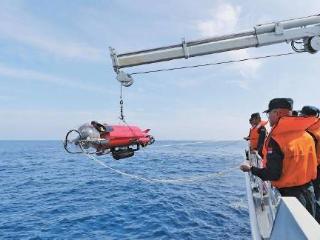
{"type": "Point", "coordinates": [121, 141]}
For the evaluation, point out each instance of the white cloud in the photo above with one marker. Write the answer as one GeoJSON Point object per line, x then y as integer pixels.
{"type": "Point", "coordinates": [33, 126]}
{"type": "Point", "coordinates": [225, 19]}
{"type": "Point", "coordinates": [198, 123]}
{"type": "Point", "coordinates": [6, 98]}
{"type": "Point", "coordinates": [18, 26]}
{"type": "Point", "coordinates": [247, 68]}
{"type": "Point", "coordinates": [31, 75]}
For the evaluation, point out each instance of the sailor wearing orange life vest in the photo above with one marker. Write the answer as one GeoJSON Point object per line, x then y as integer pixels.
{"type": "Point", "coordinates": [291, 162]}
{"type": "Point", "coordinates": [314, 130]}
{"type": "Point", "coordinates": [257, 133]}
{"type": "Point", "coordinates": [251, 123]}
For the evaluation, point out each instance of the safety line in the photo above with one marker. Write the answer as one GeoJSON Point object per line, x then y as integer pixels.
{"type": "Point", "coordinates": [168, 181]}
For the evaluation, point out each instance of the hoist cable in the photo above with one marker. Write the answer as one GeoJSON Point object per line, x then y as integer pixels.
{"type": "Point", "coordinates": [122, 118]}
{"type": "Point", "coordinates": [214, 63]}
{"type": "Point", "coordinates": [121, 104]}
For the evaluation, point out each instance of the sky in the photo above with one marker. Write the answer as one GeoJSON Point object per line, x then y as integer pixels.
{"type": "Point", "coordinates": [56, 71]}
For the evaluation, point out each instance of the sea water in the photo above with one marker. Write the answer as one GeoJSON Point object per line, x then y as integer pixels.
{"type": "Point", "coordinates": [46, 193]}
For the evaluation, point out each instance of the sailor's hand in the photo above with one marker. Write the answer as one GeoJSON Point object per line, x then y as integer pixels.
{"type": "Point", "coordinates": [245, 168]}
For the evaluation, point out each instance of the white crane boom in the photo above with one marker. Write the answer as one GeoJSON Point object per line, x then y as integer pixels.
{"type": "Point", "coordinates": [305, 31]}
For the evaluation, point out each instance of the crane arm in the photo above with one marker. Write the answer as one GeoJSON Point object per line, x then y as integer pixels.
{"type": "Point", "coordinates": [305, 30]}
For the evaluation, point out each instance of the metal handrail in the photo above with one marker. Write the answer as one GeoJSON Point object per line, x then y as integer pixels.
{"type": "Point", "coordinates": [264, 189]}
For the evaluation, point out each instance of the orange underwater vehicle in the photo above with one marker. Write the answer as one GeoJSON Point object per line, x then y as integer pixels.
{"type": "Point", "coordinates": [100, 139]}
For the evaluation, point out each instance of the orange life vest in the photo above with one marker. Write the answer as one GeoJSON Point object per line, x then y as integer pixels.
{"type": "Point", "coordinates": [314, 130]}
{"type": "Point", "coordinates": [254, 135]}
{"type": "Point", "coordinates": [300, 161]}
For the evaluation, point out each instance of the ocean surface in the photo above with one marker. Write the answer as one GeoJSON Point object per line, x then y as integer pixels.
{"type": "Point", "coordinates": [199, 193]}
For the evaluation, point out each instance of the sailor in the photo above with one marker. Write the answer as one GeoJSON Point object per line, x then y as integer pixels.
{"type": "Point", "coordinates": [314, 130]}
{"type": "Point", "coordinates": [289, 154]}
{"type": "Point", "coordinates": [251, 123]}
{"type": "Point", "coordinates": [295, 113]}
{"type": "Point", "coordinates": [309, 111]}
{"type": "Point", "coordinates": [257, 133]}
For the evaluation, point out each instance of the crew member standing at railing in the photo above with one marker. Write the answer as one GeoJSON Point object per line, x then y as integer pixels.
{"type": "Point", "coordinates": [258, 133]}
{"type": "Point", "coordinates": [314, 130]}
{"type": "Point", "coordinates": [289, 156]}
{"type": "Point", "coordinates": [309, 111]}
{"type": "Point", "coordinates": [248, 137]}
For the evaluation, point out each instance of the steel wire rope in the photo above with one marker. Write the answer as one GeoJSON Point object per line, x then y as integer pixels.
{"type": "Point", "coordinates": [214, 63]}
{"type": "Point", "coordinates": [122, 118]}
{"type": "Point", "coordinates": [135, 137]}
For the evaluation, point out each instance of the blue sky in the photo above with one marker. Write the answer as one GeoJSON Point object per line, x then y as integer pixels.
{"type": "Point", "coordinates": [56, 72]}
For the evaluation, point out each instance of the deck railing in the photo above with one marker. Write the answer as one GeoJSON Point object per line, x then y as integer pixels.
{"type": "Point", "coordinates": [265, 200]}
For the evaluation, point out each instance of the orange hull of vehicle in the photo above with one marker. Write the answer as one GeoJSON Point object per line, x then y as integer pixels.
{"type": "Point", "coordinates": [126, 135]}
